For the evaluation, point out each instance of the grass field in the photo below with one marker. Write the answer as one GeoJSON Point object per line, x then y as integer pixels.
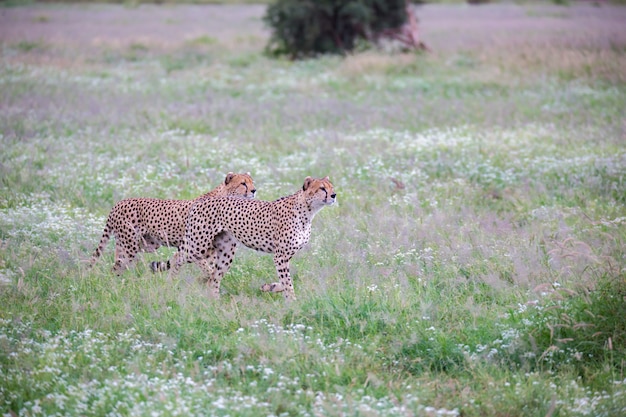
{"type": "Point", "coordinates": [474, 265]}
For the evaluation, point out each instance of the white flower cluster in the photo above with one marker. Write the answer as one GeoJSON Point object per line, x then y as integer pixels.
{"type": "Point", "coordinates": [47, 223]}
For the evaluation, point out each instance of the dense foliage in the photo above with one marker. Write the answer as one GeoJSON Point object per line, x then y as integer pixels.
{"type": "Point", "coordinates": [305, 27]}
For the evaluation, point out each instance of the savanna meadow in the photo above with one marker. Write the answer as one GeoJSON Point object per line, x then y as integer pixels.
{"type": "Point", "coordinates": [473, 265]}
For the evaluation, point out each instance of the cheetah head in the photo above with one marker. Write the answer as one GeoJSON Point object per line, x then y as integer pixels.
{"type": "Point", "coordinates": [319, 192]}
{"type": "Point", "coordinates": [240, 185]}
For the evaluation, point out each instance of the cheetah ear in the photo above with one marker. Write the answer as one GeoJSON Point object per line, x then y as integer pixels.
{"type": "Point", "coordinates": [307, 183]}
{"type": "Point", "coordinates": [229, 178]}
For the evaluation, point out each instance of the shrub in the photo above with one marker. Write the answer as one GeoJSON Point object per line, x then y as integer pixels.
{"type": "Point", "coordinates": [305, 27]}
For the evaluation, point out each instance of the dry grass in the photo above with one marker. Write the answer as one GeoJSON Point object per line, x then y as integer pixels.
{"type": "Point", "coordinates": [374, 62]}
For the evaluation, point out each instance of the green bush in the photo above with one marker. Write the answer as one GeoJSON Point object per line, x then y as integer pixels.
{"type": "Point", "coordinates": [303, 28]}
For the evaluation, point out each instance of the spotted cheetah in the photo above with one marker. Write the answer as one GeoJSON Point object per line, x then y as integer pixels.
{"type": "Point", "coordinates": [281, 227]}
{"type": "Point", "coordinates": [145, 224]}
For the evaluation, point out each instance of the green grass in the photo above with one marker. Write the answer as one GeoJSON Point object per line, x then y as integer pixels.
{"type": "Point", "coordinates": [474, 264]}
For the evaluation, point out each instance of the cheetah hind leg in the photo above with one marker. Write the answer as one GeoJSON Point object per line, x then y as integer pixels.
{"type": "Point", "coordinates": [221, 257]}
{"type": "Point", "coordinates": [126, 248]}
{"type": "Point", "coordinates": [123, 259]}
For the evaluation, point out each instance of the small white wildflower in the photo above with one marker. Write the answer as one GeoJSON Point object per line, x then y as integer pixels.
{"type": "Point", "coordinates": [36, 408]}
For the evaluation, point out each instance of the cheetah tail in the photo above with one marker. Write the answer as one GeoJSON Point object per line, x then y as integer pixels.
{"type": "Point", "coordinates": [106, 235]}
{"type": "Point", "coordinates": [160, 266]}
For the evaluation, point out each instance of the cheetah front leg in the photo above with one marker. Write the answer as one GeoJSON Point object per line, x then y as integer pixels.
{"type": "Point", "coordinates": [285, 284]}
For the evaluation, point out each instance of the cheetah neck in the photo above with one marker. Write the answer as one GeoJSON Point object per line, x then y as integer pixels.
{"type": "Point", "coordinates": [303, 207]}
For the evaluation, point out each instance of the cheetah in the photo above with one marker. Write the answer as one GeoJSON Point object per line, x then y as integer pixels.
{"type": "Point", "coordinates": [282, 227]}
{"type": "Point", "coordinates": [145, 224]}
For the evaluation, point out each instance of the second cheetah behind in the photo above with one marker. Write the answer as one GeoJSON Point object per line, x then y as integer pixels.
{"type": "Point", "coordinates": [145, 224]}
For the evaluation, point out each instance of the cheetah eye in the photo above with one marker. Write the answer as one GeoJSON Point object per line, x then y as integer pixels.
{"type": "Point", "coordinates": [323, 189]}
